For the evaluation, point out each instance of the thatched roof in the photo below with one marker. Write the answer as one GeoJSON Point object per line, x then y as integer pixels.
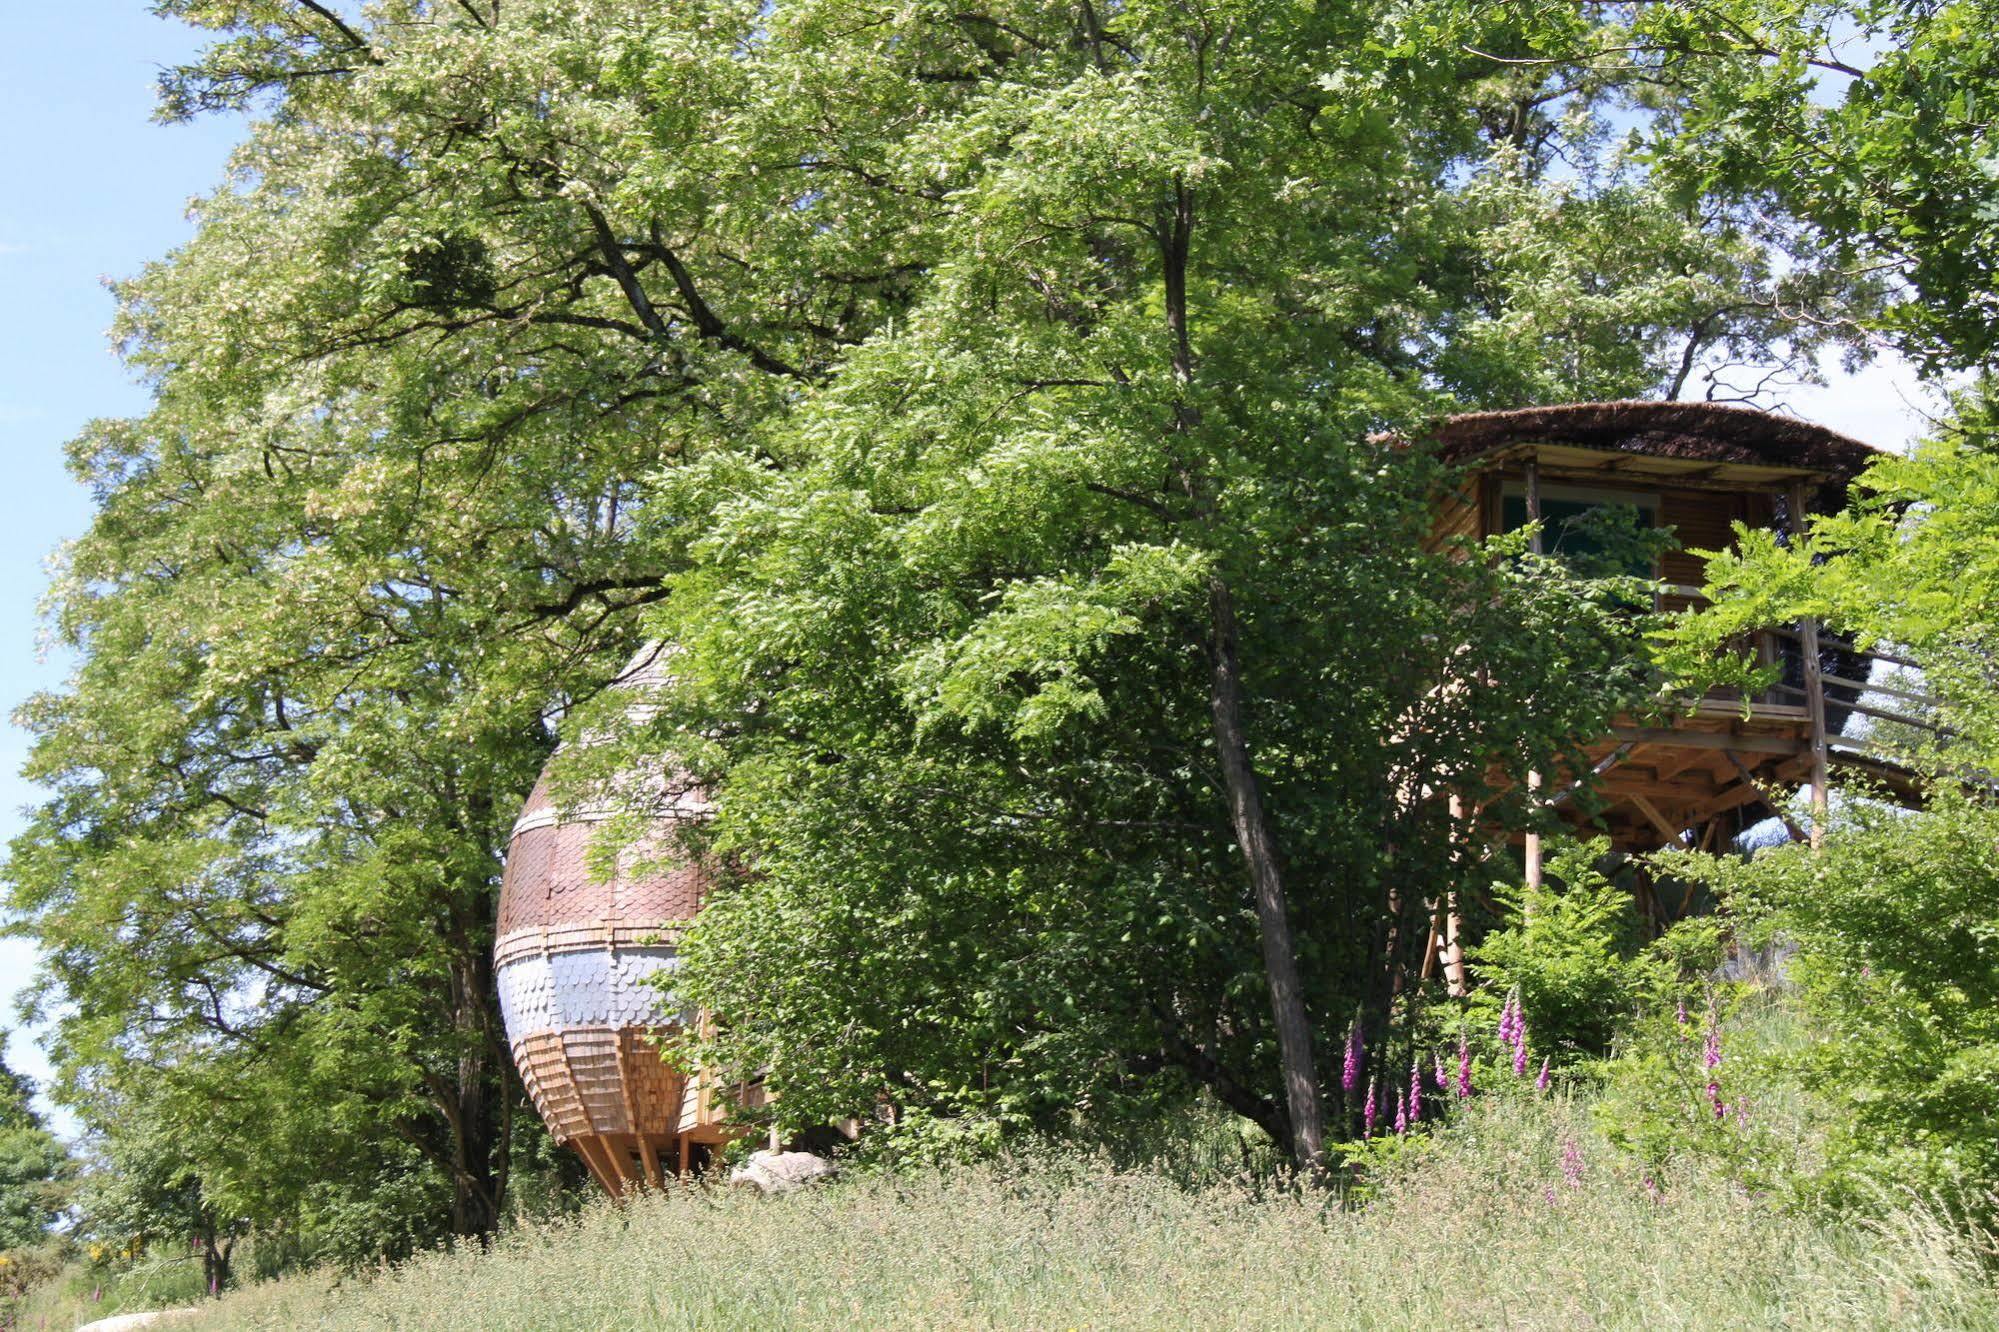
{"type": "Point", "coordinates": [1691, 431]}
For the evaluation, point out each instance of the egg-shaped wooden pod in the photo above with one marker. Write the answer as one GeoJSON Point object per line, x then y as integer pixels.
{"type": "Point", "coordinates": [576, 954]}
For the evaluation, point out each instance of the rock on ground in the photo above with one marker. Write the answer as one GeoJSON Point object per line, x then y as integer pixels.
{"type": "Point", "coordinates": [783, 1172]}
{"type": "Point", "coordinates": [154, 1318]}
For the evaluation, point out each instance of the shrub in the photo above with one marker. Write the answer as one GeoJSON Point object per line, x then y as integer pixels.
{"type": "Point", "coordinates": [1896, 933]}
{"type": "Point", "coordinates": [1574, 958]}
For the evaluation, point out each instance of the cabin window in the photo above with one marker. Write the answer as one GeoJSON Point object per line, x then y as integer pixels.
{"type": "Point", "coordinates": [1565, 511]}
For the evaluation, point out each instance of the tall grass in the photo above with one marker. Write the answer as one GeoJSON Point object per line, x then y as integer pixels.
{"type": "Point", "coordinates": [1520, 1215]}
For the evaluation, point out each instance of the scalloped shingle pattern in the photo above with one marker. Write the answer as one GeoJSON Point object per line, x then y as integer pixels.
{"type": "Point", "coordinates": [548, 882]}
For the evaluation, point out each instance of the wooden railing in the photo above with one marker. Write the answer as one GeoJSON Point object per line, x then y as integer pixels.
{"type": "Point", "coordinates": [1860, 685]}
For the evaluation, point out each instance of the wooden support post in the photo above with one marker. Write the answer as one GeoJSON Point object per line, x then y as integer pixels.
{"type": "Point", "coordinates": [686, 1155]}
{"type": "Point", "coordinates": [1533, 839]}
{"type": "Point", "coordinates": [1456, 982]}
{"type": "Point", "coordinates": [598, 1157]}
{"type": "Point", "coordinates": [1434, 945]}
{"type": "Point", "coordinates": [1532, 847]}
{"type": "Point", "coordinates": [1808, 641]}
{"type": "Point", "coordinates": [1453, 941]}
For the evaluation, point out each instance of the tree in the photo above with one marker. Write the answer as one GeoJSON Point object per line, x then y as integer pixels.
{"type": "Point", "coordinates": [1081, 620]}
{"type": "Point", "coordinates": [1867, 122]}
{"type": "Point", "coordinates": [35, 1167]}
{"type": "Point", "coordinates": [1048, 328]}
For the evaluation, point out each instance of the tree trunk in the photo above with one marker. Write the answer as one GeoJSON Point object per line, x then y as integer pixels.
{"type": "Point", "coordinates": [476, 1130]}
{"type": "Point", "coordinates": [1259, 851]}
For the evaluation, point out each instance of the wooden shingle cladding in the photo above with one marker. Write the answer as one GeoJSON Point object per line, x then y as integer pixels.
{"type": "Point", "coordinates": [578, 960]}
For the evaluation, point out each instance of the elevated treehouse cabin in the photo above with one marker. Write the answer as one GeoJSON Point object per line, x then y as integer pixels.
{"type": "Point", "coordinates": [575, 950]}
{"type": "Point", "coordinates": [1696, 469]}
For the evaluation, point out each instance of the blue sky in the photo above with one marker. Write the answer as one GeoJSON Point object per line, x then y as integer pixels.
{"type": "Point", "coordinates": [93, 190]}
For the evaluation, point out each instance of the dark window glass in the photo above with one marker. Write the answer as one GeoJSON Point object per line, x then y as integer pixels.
{"type": "Point", "coordinates": [1562, 532]}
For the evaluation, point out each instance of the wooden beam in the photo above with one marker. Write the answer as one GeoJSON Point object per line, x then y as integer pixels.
{"type": "Point", "coordinates": [1749, 780]}
{"type": "Point", "coordinates": [1675, 790]}
{"type": "Point", "coordinates": [1677, 836]}
{"type": "Point", "coordinates": [1869, 686]}
{"type": "Point", "coordinates": [1604, 765]}
{"type": "Point", "coordinates": [598, 1158]}
{"type": "Point", "coordinates": [1745, 744]}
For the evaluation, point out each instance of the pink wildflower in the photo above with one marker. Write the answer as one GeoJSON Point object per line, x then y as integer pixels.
{"type": "Point", "coordinates": [1371, 1110]}
{"type": "Point", "coordinates": [1520, 1055]}
{"type": "Point", "coordinates": [1712, 1054]}
{"type": "Point", "coordinates": [1415, 1090]}
{"type": "Point", "coordinates": [1572, 1163]}
{"type": "Point", "coordinates": [1652, 1188]}
{"type": "Point", "coordinates": [1681, 1016]}
{"type": "Point", "coordinates": [1439, 1077]}
{"type": "Point", "coordinates": [1464, 1068]}
{"type": "Point", "coordinates": [1541, 1080]}
{"type": "Point", "coordinates": [1356, 1056]}
{"type": "Point", "coordinates": [1714, 1095]}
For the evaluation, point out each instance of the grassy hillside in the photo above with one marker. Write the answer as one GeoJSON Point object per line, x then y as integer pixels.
{"type": "Point", "coordinates": [1521, 1215]}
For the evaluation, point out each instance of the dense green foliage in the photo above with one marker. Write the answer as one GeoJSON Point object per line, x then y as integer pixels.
{"type": "Point", "coordinates": [1094, 568]}
{"type": "Point", "coordinates": [1572, 955]}
{"type": "Point", "coordinates": [1894, 923]}
{"type": "Point", "coordinates": [1894, 927]}
{"type": "Point", "coordinates": [35, 1167]}
{"type": "Point", "coordinates": [1004, 411]}
{"type": "Point", "coordinates": [1868, 122]}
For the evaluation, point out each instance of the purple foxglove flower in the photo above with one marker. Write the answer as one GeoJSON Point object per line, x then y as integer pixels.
{"type": "Point", "coordinates": [1509, 1017]}
{"type": "Point", "coordinates": [1371, 1111]}
{"type": "Point", "coordinates": [1415, 1090]}
{"type": "Point", "coordinates": [1439, 1078]}
{"type": "Point", "coordinates": [1520, 1055]}
{"type": "Point", "coordinates": [1714, 1095]}
{"type": "Point", "coordinates": [1541, 1081]}
{"type": "Point", "coordinates": [1681, 1016]}
{"type": "Point", "coordinates": [1712, 1054]}
{"type": "Point", "coordinates": [1464, 1068]}
{"type": "Point", "coordinates": [1356, 1056]}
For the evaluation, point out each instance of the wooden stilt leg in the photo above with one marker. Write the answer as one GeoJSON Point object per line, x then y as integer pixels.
{"type": "Point", "coordinates": [598, 1158]}
{"type": "Point", "coordinates": [1808, 634]}
{"type": "Point", "coordinates": [1533, 842]}
{"type": "Point", "coordinates": [1454, 950]}
{"type": "Point", "coordinates": [650, 1155]}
